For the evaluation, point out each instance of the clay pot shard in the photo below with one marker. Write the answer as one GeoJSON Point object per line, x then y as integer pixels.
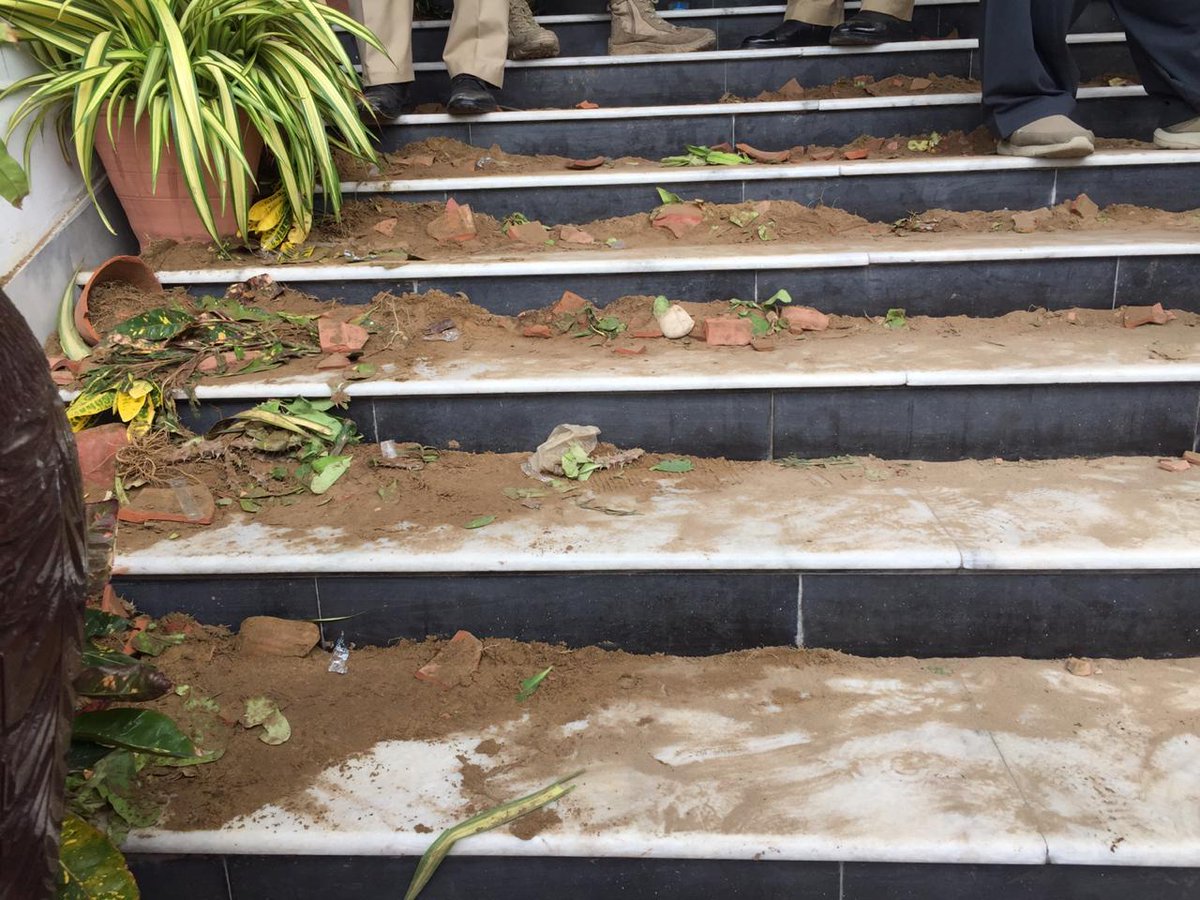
{"type": "Point", "coordinates": [117, 269]}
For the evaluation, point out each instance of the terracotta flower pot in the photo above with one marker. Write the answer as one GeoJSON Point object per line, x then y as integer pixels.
{"type": "Point", "coordinates": [127, 269]}
{"type": "Point", "coordinates": [166, 213]}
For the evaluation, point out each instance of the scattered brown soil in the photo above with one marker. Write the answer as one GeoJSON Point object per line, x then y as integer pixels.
{"type": "Point", "coordinates": [764, 692]}
{"type": "Point", "coordinates": [448, 158]}
{"type": "Point", "coordinates": [398, 345]}
{"type": "Point", "coordinates": [335, 718]}
{"type": "Point", "coordinates": [358, 236]}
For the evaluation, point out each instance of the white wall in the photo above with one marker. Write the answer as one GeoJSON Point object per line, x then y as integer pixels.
{"type": "Point", "coordinates": [56, 229]}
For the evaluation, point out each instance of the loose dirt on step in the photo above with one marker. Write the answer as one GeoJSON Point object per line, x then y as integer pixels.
{"type": "Point", "coordinates": [389, 232]}
{"type": "Point", "coordinates": [754, 721]}
{"type": "Point", "coordinates": [399, 349]}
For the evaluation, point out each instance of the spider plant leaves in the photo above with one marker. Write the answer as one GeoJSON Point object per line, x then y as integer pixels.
{"type": "Point", "coordinates": [14, 184]}
{"type": "Point", "coordinates": [201, 71]}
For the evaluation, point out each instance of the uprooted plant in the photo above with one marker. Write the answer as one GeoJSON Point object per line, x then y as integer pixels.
{"type": "Point", "coordinates": [763, 314]}
{"type": "Point", "coordinates": [137, 369]}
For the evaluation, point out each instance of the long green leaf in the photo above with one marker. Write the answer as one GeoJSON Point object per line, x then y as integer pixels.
{"type": "Point", "coordinates": [140, 730]}
{"type": "Point", "coordinates": [14, 185]}
{"type": "Point", "coordinates": [485, 821]}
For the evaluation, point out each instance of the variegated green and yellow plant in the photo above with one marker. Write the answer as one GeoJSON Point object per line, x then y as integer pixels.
{"type": "Point", "coordinates": [193, 67]}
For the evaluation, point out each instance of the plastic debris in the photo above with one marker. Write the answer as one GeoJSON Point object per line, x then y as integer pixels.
{"type": "Point", "coordinates": [340, 657]}
{"type": "Point", "coordinates": [548, 456]}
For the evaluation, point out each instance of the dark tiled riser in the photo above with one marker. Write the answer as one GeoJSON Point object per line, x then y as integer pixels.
{"type": "Point", "coordinates": [581, 138]}
{"type": "Point", "coordinates": [684, 80]}
{"type": "Point", "coordinates": [875, 197]}
{"type": "Point", "coordinates": [463, 877]}
{"type": "Point", "coordinates": [1036, 615]}
{"type": "Point", "coordinates": [1014, 422]}
{"type": "Point", "coordinates": [983, 288]}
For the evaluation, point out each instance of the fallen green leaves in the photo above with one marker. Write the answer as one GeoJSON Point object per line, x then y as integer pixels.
{"type": "Point", "coordinates": [141, 730]}
{"type": "Point", "coordinates": [480, 522]}
{"type": "Point", "coordinates": [90, 867]}
{"type": "Point", "coordinates": [530, 685]}
{"type": "Point", "coordinates": [577, 464]}
{"type": "Point", "coordinates": [705, 156]}
{"type": "Point", "coordinates": [895, 318]}
{"type": "Point", "coordinates": [265, 712]}
{"type": "Point", "coordinates": [677, 466]}
{"type": "Point", "coordinates": [485, 821]}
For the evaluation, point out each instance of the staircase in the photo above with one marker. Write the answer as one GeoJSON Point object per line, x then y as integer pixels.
{"type": "Point", "coordinates": [1091, 558]}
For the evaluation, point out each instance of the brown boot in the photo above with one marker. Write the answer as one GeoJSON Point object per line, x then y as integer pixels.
{"type": "Point", "coordinates": [638, 28]}
{"type": "Point", "coordinates": [526, 38]}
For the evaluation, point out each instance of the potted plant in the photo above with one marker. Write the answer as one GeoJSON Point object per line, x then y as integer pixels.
{"type": "Point", "coordinates": [179, 96]}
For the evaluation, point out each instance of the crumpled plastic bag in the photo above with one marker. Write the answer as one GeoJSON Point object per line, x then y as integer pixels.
{"type": "Point", "coordinates": [547, 459]}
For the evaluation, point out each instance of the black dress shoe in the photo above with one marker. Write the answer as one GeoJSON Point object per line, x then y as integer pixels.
{"type": "Point", "coordinates": [470, 95]}
{"type": "Point", "coordinates": [386, 101]}
{"type": "Point", "coordinates": [868, 28]}
{"type": "Point", "coordinates": [789, 34]}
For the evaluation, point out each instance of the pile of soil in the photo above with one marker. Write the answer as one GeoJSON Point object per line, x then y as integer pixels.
{"type": "Point", "coordinates": [398, 344]}
{"type": "Point", "coordinates": [388, 231]}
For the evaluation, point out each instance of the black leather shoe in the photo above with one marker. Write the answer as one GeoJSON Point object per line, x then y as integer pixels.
{"type": "Point", "coordinates": [470, 96]}
{"type": "Point", "coordinates": [386, 101]}
{"type": "Point", "coordinates": [869, 28]}
{"type": "Point", "coordinates": [789, 34]}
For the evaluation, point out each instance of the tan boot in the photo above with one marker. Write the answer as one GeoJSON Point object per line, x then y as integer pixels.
{"type": "Point", "coordinates": [1051, 137]}
{"type": "Point", "coordinates": [526, 38]}
{"type": "Point", "coordinates": [638, 28]}
{"type": "Point", "coordinates": [1184, 136]}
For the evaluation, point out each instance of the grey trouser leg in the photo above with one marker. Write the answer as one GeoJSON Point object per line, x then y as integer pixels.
{"type": "Point", "coordinates": [1164, 38]}
{"type": "Point", "coordinates": [1027, 71]}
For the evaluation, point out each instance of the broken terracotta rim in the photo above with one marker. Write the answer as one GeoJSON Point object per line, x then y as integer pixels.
{"type": "Point", "coordinates": [127, 269]}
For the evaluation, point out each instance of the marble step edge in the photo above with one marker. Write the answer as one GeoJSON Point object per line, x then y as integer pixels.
{"type": "Point", "coordinates": [1103, 159]}
{"type": "Point", "coordinates": [897, 48]}
{"type": "Point", "coordinates": [665, 376]}
{"type": "Point", "coordinates": [730, 109]}
{"type": "Point", "coordinates": [1058, 516]}
{"type": "Point", "coordinates": [981, 248]}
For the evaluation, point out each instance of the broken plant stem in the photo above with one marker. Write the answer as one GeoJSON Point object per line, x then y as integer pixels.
{"type": "Point", "coordinates": [485, 821]}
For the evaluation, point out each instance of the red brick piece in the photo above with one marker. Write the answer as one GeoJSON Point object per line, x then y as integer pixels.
{"type": "Point", "coordinates": [569, 302]}
{"type": "Point", "coordinates": [340, 337]}
{"type": "Point", "coordinates": [457, 223]}
{"type": "Point", "coordinates": [805, 318]}
{"type": "Point", "coordinates": [861, 153]}
{"type": "Point", "coordinates": [536, 331]}
{"type": "Point", "coordinates": [455, 663]}
{"type": "Point", "coordinates": [639, 350]}
{"type": "Point", "coordinates": [728, 331]}
{"type": "Point", "coordinates": [97, 448]}
{"type": "Point", "coordinates": [1136, 316]}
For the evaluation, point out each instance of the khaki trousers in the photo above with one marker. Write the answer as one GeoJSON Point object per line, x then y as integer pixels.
{"type": "Point", "coordinates": [830, 12]}
{"type": "Point", "coordinates": [476, 44]}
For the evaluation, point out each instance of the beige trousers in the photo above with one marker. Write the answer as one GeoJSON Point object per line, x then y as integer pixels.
{"type": "Point", "coordinates": [830, 12]}
{"type": "Point", "coordinates": [476, 44]}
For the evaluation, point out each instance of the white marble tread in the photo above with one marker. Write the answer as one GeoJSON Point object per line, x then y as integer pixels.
{"type": "Point", "coordinates": [914, 249]}
{"type": "Point", "coordinates": [1059, 515]}
{"type": "Point", "coordinates": [936, 761]}
{"type": "Point", "coordinates": [719, 174]}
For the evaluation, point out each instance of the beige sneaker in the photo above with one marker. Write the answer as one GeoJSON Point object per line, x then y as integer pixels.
{"type": "Point", "coordinates": [1184, 136]}
{"type": "Point", "coordinates": [526, 38]}
{"type": "Point", "coordinates": [1053, 137]}
{"type": "Point", "coordinates": [638, 28]}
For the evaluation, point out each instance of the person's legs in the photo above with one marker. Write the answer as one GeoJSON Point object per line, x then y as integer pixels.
{"type": "Point", "coordinates": [1029, 77]}
{"type": "Point", "coordinates": [476, 47]}
{"type": "Point", "coordinates": [879, 22]}
{"type": "Point", "coordinates": [638, 28]}
{"type": "Point", "coordinates": [387, 76]}
{"type": "Point", "coordinates": [1164, 40]}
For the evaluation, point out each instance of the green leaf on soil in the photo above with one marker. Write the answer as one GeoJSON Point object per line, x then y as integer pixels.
{"type": "Point", "coordinates": [90, 867]}
{"type": "Point", "coordinates": [744, 218]}
{"type": "Point", "coordinates": [530, 685]}
{"type": "Point", "coordinates": [485, 821]}
{"type": "Point", "coordinates": [513, 493]}
{"type": "Point", "coordinates": [674, 465]}
{"type": "Point", "coordinates": [576, 464]}
{"type": "Point", "coordinates": [895, 318]}
{"type": "Point", "coordinates": [265, 712]}
{"type": "Point", "coordinates": [666, 197]}
{"type": "Point", "coordinates": [249, 506]}
{"type": "Point", "coordinates": [85, 754]}
{"type": "Point", "coordinates": [780, 296]}
{"type": "Point", "coordinates": [97, 623]}
{"type": "Point", "coordinates": [363, 370]}
{"type": "Point", "coordinates": [142, 730]}
{"type": "Point", "coordinates": [327, 470]}
{"type": "Point", "coordinates": [661, 305]}
{"type": "Point", "coordinates": [759, 325]}
{"type": "Point", "coordinates": [153, 643]}
{"type": "Point", "coordinates": [480, 522]}
{"type": "Point", "coordinates": [155, 324]}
